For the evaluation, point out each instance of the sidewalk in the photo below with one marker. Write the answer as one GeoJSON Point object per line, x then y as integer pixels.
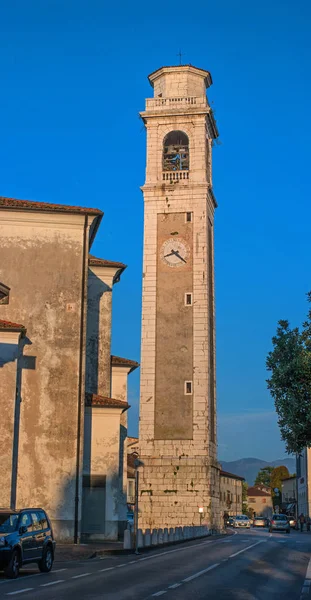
{"type": "Point", "coordinates": [68, 552]}
{"type": "Point", "coordinates": [65, 552]}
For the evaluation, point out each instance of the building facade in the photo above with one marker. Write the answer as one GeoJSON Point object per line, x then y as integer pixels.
{"type": "Point", "coordinates": [303, 467]}
{"type": "Point", "coordinates": [231, 493]}
{"type": "Point", "coordinates": [62, 433]}
{"type": "Point", "coordinates": [289, 494]}
{"type": "Point", "coordinates": [259, 501]}
{"type": "Point", "coordinates": [178, 451]}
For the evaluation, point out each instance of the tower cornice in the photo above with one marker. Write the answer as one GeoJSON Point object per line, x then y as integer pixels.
{"type": "Point", "coordinates": [183, 112]}
{"type": "Point", "coordinates": [181, 69]}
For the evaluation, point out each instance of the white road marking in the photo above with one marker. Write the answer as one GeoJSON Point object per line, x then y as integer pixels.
{"type": "Point", "coordinates": [199, 573]}
{"type": "Point", "coordinates": [52, 583]}
{"type": "Point", "coordinates": [123, 565]}
{"type": "Point", "coordinates": [174, 586]}
{"type": "Point", "coordinates": [244, 549]}
{"type": "Point", "coordinates": [131, 562]}
{"type": "Point", "coordinates": [108, 569]}
{"type": "Point", "coordinates": [159, 554]}
{"type": "Point", "coordinates": [307, 582]}
{"type": "Point", "coordinates": [159, 593]}
{"type": "Point", "coordinates": [59, 570]}
{"type": "Point", "coordinates": [78, 576]}
{"type": "Point", "coordinates": [28, 577]}
{"type": "Point", "coordinates": [19, 591]}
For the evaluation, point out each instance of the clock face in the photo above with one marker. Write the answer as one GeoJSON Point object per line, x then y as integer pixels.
{"type": "Point", "coordinates": [174, 252]}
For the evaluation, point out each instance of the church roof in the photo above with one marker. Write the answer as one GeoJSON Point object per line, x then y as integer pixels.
{"type": "Point", "coordinates": [102, 262]}
{"type": "Point", "coordinates": [231, 475]}
{"type": "Point", "coordinates": [124, 362]}
{"type": "Point", "coordinates": [255, 491]}
{"type": "Point", "coordinates": [132, 440]}
{"type": "Point", "coordinates": [10, 203]}
{"type": "Point", "coordinates": [105, 402]}
{"type": "Point", "coordinates": [10, 326]}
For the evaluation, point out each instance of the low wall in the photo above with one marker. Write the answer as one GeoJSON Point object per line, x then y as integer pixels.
{"type": "Point", "coordinates": [156, 537]}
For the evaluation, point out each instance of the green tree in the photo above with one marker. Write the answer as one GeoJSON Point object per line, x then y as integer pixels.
{"type": "Point", "coordinates": [290, 382]}
{"type": "Point", "coordinates": [277, 475]}
{"type": "Point", "coordinates": [264, 477]}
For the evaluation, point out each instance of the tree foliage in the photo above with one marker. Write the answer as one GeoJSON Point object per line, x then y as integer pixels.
{"type": "Point", "coordinates": [264, 477]}
{"type": "Point", "coordinates": [290, 382]}
{"type": "Point", "coordinates": [277, 475]}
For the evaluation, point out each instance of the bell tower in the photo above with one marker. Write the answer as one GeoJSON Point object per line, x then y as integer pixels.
{"type": "Point", "coordinates": [179, 472]}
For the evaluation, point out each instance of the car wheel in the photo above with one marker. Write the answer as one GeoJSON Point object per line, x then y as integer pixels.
{"type": "Point", "coordinates": [12, 570]}
{"type": "Point", "coordinates": [46, 563]}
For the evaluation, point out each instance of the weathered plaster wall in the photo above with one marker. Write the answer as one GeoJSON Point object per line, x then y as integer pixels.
{"type": "Point", "coordinates": [41, 259]}
{"type": "Point", "coordinates": [99, 318]}
{"type": "Point", "coordinates": [98, 341]}
{"type": "Point", "coordinates": [9, 352]}
{"type": "Point", "coordinates": [119, 375]}
{"type": "Point", "coordinates": [101, 459]}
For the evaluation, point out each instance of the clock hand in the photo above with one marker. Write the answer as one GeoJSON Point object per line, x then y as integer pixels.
{"type": "Point", "coordinates": [170, 254]}
{"type": "Point", "coordinates": [178, 255]}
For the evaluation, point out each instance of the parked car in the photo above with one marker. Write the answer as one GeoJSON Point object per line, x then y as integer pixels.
{"type": "Point", "coordinates": [26, 536]}
{"type": "Point", "coordinates": [259, 522]}
{"type": "Point", "coordinates": [231, 521]}
{"type": "Point", "coordinates": [241, 521]}
{"type": "Point", "coordinates": [279, 523]}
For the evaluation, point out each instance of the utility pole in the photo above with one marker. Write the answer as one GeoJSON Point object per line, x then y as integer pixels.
{"type": "Point", "coordinates": [136, 465]}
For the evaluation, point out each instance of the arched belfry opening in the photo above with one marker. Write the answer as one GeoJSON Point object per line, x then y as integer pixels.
{"type": "Point", "coordinates": [176, 151]}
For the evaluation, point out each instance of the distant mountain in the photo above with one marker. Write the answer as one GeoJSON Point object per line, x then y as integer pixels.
{"type": "Point", "coordinates": [249, 467]}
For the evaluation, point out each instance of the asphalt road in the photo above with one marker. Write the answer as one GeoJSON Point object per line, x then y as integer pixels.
{"type": "Point", "coordinates": [248, 565]}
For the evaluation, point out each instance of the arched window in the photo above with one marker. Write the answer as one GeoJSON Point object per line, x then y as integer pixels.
{"type": "Point", "coordinates": [176, 151]}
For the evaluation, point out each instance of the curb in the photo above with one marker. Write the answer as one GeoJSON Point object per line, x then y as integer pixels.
{"type": "Point", "coordinates": [122, 551]}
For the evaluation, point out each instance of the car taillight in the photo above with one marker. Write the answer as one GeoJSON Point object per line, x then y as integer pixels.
{"type": "Point", "coordinates": [272, 522]}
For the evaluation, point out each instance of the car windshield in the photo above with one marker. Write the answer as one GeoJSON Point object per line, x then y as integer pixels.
{"type": "Point", "coordinates": [279, 517]}
{"type": "Point", "coordinates": [8, 522]}
{"type": "Point", "coordinates": [241, 518]}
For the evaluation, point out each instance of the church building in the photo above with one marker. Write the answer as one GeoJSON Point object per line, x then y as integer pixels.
{"type": "Point", "coordinates": [63, 401]}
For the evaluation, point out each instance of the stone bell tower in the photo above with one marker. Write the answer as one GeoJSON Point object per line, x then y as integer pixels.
{"type": "Point", "coordinates": [179, 472]}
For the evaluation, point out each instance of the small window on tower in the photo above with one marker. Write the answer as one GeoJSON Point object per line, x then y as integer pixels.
{"type": "Point", "coordinates": [188, 217]}
{"type": "Point", "coordinates": [188, 388]}
{"type": "Point", "coordinates": [188, 299]}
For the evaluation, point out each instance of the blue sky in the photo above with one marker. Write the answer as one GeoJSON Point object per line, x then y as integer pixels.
{"type": "Point", "coordinates": [73, 79]}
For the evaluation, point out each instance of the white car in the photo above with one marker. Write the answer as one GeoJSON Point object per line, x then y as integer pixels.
{"type": "Point", "coordinates": [241, 521]}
